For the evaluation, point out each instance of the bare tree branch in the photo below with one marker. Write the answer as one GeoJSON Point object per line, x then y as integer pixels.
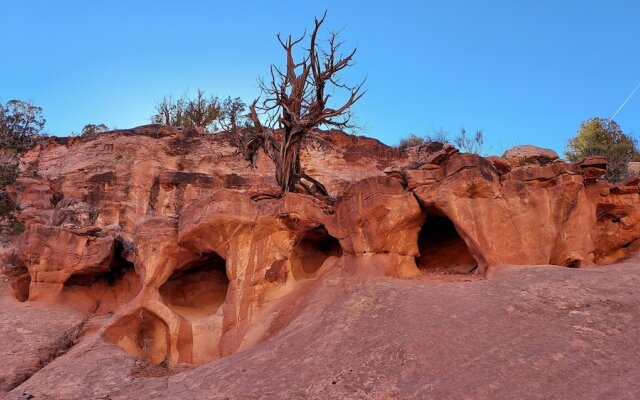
{"type": "Point", "coordinates": [298, 95]}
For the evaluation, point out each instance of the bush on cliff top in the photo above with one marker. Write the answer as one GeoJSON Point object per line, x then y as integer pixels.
{"type": "Point", "coordinates": [20, 122]}
{"type": "Point", "coordinates": [93, 129]}
{"type": "Point", "coordinates": [463, 141]}
{"type": "Point", "coordinates": [207, 112]}
{"type": "Point", "coordinates": [410, 141]}
{"type": "Point", "coordinates": [201, 111]}
{"type": "Point", "coordinates": [598, 136]}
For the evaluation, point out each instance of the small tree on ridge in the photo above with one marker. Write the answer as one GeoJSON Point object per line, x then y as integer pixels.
{"type": "Point", "coordinates": [20, 122]}
{"type": "Point", "coordinates": [201, 111]}
{"type": "Point", "coordinates": [602, 137]}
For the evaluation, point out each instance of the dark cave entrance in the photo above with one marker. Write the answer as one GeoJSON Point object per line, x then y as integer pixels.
{"type": "Point", "coordinates": [442, 249]}
{"type": "Point", "coordinates": [119, 267]}
{"type": "Point", "coordinates": [198, 288]}
{"type": "Point", "coordinates": [103, 292]}
{"type": "Point", "coordinates": [312, 249]}
{"type": "Point", "coordinates": [20, 281]}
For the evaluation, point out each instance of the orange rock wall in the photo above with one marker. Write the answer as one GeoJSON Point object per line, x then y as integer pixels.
{"type": "Point", "coordinates": [152, 205]}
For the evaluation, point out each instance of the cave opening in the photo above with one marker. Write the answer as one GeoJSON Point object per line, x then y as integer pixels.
{"type": "Point", "coordinates": [152, 338]}
{"type": "Point", "coordinates": [442, 249]}
{"type": "Point", "coordinates": [19, 280]}
{"type": "Point", "coordinates": [311, 250]}
{"type": "Point", "coordinates": [105, 291]}
{"type": "Point", "coordinates": [143, 334]}
{"type": "Point", "coordinates": [198, 288]}
{"type": "Point", "coordinates": [119, 267]}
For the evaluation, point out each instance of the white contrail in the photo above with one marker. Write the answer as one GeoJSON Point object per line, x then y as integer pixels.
{"type": "Point", "coordinates": [625, 102]}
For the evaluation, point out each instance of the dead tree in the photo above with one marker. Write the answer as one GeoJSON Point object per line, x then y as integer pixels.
{"type": "Point", "coordinates": [296, 101]}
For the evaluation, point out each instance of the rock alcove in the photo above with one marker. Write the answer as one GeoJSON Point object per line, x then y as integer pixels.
{"type": "Point", "coordinates": [442, 249]}
{"type": "Point", "coordinates": [104, 292]}
{"type": "Point", "coordinates": [310, 252]}
{"type": "Point", "coordinates": [198, 288]}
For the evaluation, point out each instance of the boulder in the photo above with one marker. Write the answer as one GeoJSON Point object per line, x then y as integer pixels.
{"type": "Point", "coordinates": [71, 213]}
{"type": "Point", "coordinates": [634, 167]}
{"type": "Point", "coordinates": [528, 154]}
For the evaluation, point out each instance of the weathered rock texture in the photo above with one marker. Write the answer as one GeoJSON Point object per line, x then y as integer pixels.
{"type": "Point", "coordinates": [179, 248]}
{"type": "Point", "coordinates": [526, 332]}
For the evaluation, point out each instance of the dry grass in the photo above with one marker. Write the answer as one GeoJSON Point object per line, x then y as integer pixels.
{"type": "Point", "coordinates": [446, 274]}
{"type": "Point", "coordinates": [143, 369]}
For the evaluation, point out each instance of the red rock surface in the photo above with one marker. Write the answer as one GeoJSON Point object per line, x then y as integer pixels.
{"type": "Point", "coordinates": [33, 334]}
{"type": "Point", "coordinates": [171, 246]}
{"type": "Point", "coordinates": [526, 332]}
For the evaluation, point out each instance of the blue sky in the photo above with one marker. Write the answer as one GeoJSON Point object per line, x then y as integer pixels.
{"type": "Point", "coordinates": [523, 71]}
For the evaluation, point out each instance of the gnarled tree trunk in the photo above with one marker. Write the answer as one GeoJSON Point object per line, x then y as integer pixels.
{"type": "Point", "coordinates": [296, 100]}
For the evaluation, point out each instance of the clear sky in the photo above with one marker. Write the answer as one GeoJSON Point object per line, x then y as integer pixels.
{"type": "Point", "coordinates": [523, 71]}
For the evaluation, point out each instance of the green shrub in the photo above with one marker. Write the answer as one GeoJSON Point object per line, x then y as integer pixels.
{"type": "Point", "coordinates": [602, 137]}
{"type": "Point", "coordinates": [20, 123]}
{"type": "Point", "coordinates": [91, 129]}
{"type": "Point", "coordinates": [201, 111]}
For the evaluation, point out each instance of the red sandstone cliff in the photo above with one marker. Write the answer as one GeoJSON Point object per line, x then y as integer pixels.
{"type": "Point", "coordinates": [167, 237]}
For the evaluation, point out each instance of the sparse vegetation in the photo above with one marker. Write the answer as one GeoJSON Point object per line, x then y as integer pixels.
{"type": "Point", "coordinates": [437, 135]}
{"type": "Point", "coordinates": [202, 111]}
{"type": "Point", "coordinates": [411, 141]}
{"type": "Point", "coordinates": [66, 341]}
{"type": "Point", "coordinates": [469, 144]}
{"type": "Point", "coordinates": [463, 141]}
{"type": "Point", "coordinates": [598, 136]}
{"type": "Point", "coordinates": [91, 129]}
{"type": "Point", "coordinates": [20, 122]}
{"type": "Point", "coordinates": [145, 347]}
{"type": "Point", "coordinates": [8, 174]}
{"type": "Point", "coordinates": [143, 369]}
{"type": "Point", "coordinates": [233, 115]}
{"type": "Point", "coordinates": [9, 223]}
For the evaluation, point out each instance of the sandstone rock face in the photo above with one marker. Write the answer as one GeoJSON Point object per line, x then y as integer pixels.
{"type": "Point", "coordinates": [32, 337]}
{"type": "Point", "coordinates": [179, 245]}
{"type": "Point", "coordinates": [53, 255]}
{"type": "Point", "coordinates": [522, 333]}
{"type": "Point", "coordinates": [540, 212]}
{"type": "Point", "coordinates": [370, 213]}
{"type": "Point", "coordinates": [593, 168]}
{"type": "Point", "coordinates": [86, 268]}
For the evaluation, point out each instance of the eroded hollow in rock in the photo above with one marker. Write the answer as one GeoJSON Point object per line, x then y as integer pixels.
{"type": "Point", "coordinates": [105, 291]}
{"type": "Point", "coordinates": [315, 246]}
{"type": "Point", "coordinates": [144, 335]}
{"type": "Point", "coordinates": [198, 288]}
{"type": "Point", "coordinates": [19, 280]}
{"type": "Point", "coordinates": [441, 247]}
